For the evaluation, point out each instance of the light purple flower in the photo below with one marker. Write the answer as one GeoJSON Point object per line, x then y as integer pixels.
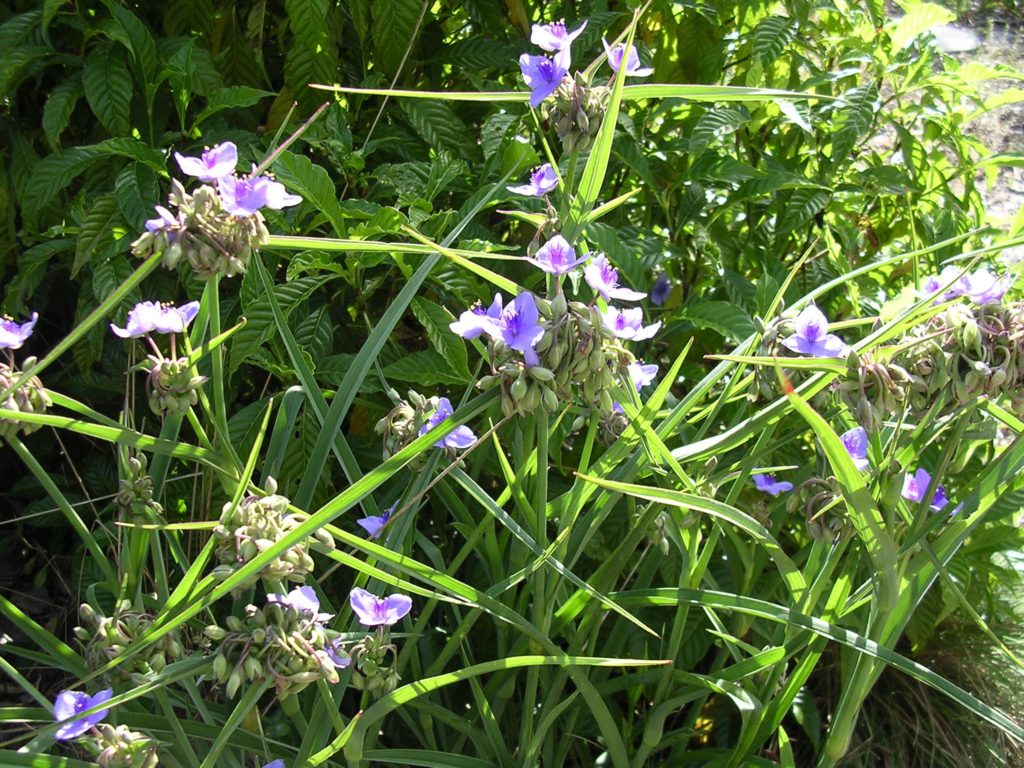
{"type": "Point", "coordinates": [13, 335]}
{"type": "Point", "coordinates": [768, 484]}
{"type": "Point", "coordinates": [640, 375]}
{"type": "Point", "coordinates": [628, 324]}
{"type": "Point", "coordinates": [556, 257]}
{"type": "Point", "coordinates": [275, 764]}
{"type": "Point", "coordinates": [543, 74]}
{"type": "Point", "coordinates": [339, 657]}
{"type": "Point", "coordinates": [165, 220]}
{"type": "Point", "coordinates": [478, 320]}
{"type": "Point", "coordinates": [915, 487]}
{"type": "Point", "coordinates": [554, 37]}
{"type": "Point", "coordinates": [151, 317]}
{"type": "Point", "coordinates": [950, 275]}
{"type": "Point", "coordinates": [214, 164]}
{"type": "Point", "coordinates": [518, 327]}
{"type": "Point", "coordinates": [71, 703]}
{"type": "Point", "coordinates": [855, 441]}
{"type": "Point", "coordinates": [985, 288]}
{"type": "Point", "coordinates": [373, 524]}
{"type": "Point", "coordinates": [633, 68]}
{"type": "Point", "coordinates": [542, 180]}
{"type": "Point", "coordinates": [604, 279]}
{"type": "Point", "coordinates": [244, 197]}
{"type": "Point", "coordinates": [812, 337]}
{"type": "Point", "coordinates": [461, 437]}
{"type": "Point", "coordinates": [661, 290]}
{"type": "Point", "coordinates": [376, 611]}
{"type": "Point", "coordinates": [301, 600]}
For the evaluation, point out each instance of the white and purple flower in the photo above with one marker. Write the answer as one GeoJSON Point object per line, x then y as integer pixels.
{"type": "Point", "coordinates": [983, 287]}
{"type": "Point", "coordinates": [244, 197]}
{"type": "Point", "coordinates": [13, 335]}
{"type": "Point", "coordinates": [628, 324]}
{"type": "Point", "coordinates": [812, 336]}
{"type": "Point", "coordinates": [556, 257]}
{"type": "Point", "coordinates": [515, 325]}
{"type": "Point", "coordinates": [554, 37]}
{"type": "Point", "coordinates": [302, 600]}
{"type": "Point", "coordinates": [544, 74]}
{"type": "Point", "coordinates": [855, 441]}
{"type": "Point", "coordinates": [616, 55]}
{"type": "Point", "coordinates": [542, 180]}
{"type": "Point", "coordinates": [768, 484]}
{"type": "Point", "coordinates": [460, 438]}
{"type": "Point", "coordinates": [640, 375]}
{"type": "Point", "coordinates": [213, 165]}
{"type": "Point", "coordinates": [604, 279]}
{"type": "Point", "coordinates": [152, 317]}
{"type": "Point", "coordinates": [950, 275]}
{"type": "Point", "coordinates": [68, 704]}
{"type": "Point", "coordinates": [477, 320]}
{"type": "Point", "coordinates": [376, 611]}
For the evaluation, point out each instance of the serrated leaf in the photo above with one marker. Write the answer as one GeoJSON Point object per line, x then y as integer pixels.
{"type": "Point", "coordinates": [315, 334]}
{"type": "Point", "coordinates": [801, 207]}
{"type": "Point", "coordinates": [259, 317]}
{"type": "Point", "coordinates": [477, 53]}
{"type": "Point", "coordinates": [394, 22]}
{"type": "Point", "coordinates": [720, 316]}
{"type": "Point", "coordinates": [437, 124]}
{"type": "Point", "coordinates": [236, 96]}
{"type": "Point", "coordinates": [435, 320]}
{"type": "Point", "coordinates": [918, 19]}
{"type": "Point", "coordinates": [108, 88]}
{"type": "Point", "coordinates": [59, 106]}
{"type": "Point", "coordinates": [307, 21]}
{"type": "Point", "coordinates": [140, 41]}
{"type": "Point", "coordinates": [109, 274]}
{"type": "Point", "coordinates": [716, 124]}
{"type": "Point", "coordinates": [314, 184]}
{"type": "Point", "coordinates": [138, 192]}
{"type": "Point", "coordinates": [771, 36]}
{"type": "Point", "coordinates": [97, 230]}
{"type": "Point", "coordinates": [303, 66]}
{"type": "Point", "coordinates": [427, 368]}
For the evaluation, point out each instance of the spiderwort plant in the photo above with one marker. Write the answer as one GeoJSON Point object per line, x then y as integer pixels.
{"type": "Point", "coordinates": [543, 179]}
{"type": "Point", "coordinates": [557, 257]}
{"type": "Point", "coordinates": [69, 706]}
{"type": "Point", "coordinates": [374, 524]}
{"type": "Point", "coordinates": [768, 484]}
{"type": "Point", "coordinates": [855, 441]}
{"type": "Point", "coordinates": [616, 56]}
{"type": "Point", "coordinates": [812, 337]}
{"type": "Point", "coordinates": [214, 164]}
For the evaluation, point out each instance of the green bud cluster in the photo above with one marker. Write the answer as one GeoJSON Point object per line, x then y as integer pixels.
{"type": "Point", "coordinates": [403, 422]}
{"type": "Point", "coordinates": [580, 361]}
{"type": "Point", "coordinates": [817, 498]}
{"type": "Point", "coordinates": [121, 747]}
{"type": "Point", "coordinates": [173, 385]}
{"type": "Point", "coordinates": [107, 637]}
{"type": "Point", "coordinates": [211, 240]}
{"type": "Point", "coordinates": [372, 672]}
{"type": "Point", "coordinates": [577, 111]}
{"type": "Point", "coordinates": [275, 643]}
{"type": "Point", "coordinates": [135, 497]}
{"type": "Point", "coordinates": [28, 397]}
{"type": "Point", "coordinates": [255, 525]}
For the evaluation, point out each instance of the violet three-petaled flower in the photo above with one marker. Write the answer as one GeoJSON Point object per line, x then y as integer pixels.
{"type": "Point", "coordinates": [519, 329]}
{"type": "Point", "coordinates": [983, 287]}
{"type": "Point", "coordinates": [374, 524]}
{"type": "Point", "coordinates": [152, 317]}
{"type": "Point", "coordinates": [556, 256]}
{"type": "Point", "coordinates": [374, 611]}
{"type": "Point", "coordinates": [164, 221]}
{"type": "Point", "coordinates": [768, 484]}
{"type": "Point", "coordinates": [244, 197]}
{"type": "Point", "coordinates": [302, 600]}
{"type": "Point", "coordinates": [214, 164]}
{"type": "Point", "coordinates": [542, 180]}
{"type": "Point", "coordinates": [460, 438]}
{"type": "Point", "coordinates": [477, 320]}
{"type": "Point", "coordinates": [855, 441]}
{"type": "Point", "coordinates": [949, 276]}
{"type": "Point", "coordinates": [915, 487]}
{"type": "Point", "coordinates": [628, 323]}
{"type": "Point", "coordinates": [604, 279]}
{"type": "Point", "coordinates": [812, 336]}
{"type": "Point", "coordinates": [338, 656]}
{"type": "Point", "coordinates": [68, 704]}
{"type": "Point", "coordinates": [543, 74]}
{"type": "Point", "coordinates": [615, 57]}
{"type": "Point", "coordinates": [554, 37]}
{"type": "Point", "coordinates": [13, 335]}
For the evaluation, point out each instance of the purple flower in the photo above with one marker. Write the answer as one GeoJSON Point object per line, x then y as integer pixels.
{"type": "Point", "coordinates": [275, 764]}
{"type": "Point", "coordinates": [633, 68]}
{"type": "Point", "coordinates": [214, 164]}
{"type": "Point", "coordinates": [915, 487]}
{"type": "Point", "coordinates": [554, 37]}
{"type": "Point", "coordinates": [768, 484]}
{"type": "Point", "coordinates": [855, 441]}
{"type": "Point", "coordinates": [812, 337]}
{"type": "Point", "coordinates": [244, 197]}
{"type": "Point", "coordinates": [518, 327]}
{"type": "Point", "coordinates": [301, 600]}
{"type": "Point", "coordinates": [151, 317]}
{"type": "Point", "coordinates": [950, 275]}
{"type": "Point", "coordinates": [13, 335]}
{"type": "Point", "coordinates": [556, 257]}
{"type": "Point", "coordinates": [542, 181]}
{"type": "Point", "coordinates": [165, 220]}
{"type": "Point", "coordinates": [338, 656]}
{"type": "Point", "coordinates": [543, 74]}
{"type": "Point", "coordinates": [628, 323]}
{"type": "Point", "coordinates": [641, 375]}
{"type": "Point", "coordinates": [461, 437]}
{"type": "Point", "coordinates": [373, 524]}
{"type": "Point", "coordinates": [375, 611]}
{"type": "Point", "coordinates": [661, 290]}
{"type": "Point", "coordinates": [478, 320]}
{"type": "Point", "coordinates": [985, 288]}
{"type": "Point", "coordinates": [71, 703]}
{"type": "Point", "coordinates": [604, 279]}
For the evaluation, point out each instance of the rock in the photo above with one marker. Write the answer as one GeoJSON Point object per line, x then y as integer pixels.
{"type": "Point", "coordinates": [954, 39]}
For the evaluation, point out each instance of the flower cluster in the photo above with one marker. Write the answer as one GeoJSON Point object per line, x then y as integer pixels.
{"type": "Point", "coordinates": [372, 672]}
{"type": "Point", "coordinates": [543, 351]}
{"type": "Point", "coordinates": [107, 637]}
{"type": "Point", "coordinates": [27, 394]}
{"type": "Point", "coordinates": [255, 525]}
{"type": "Point", "coordinates": [981, 286]}
{"type": "Point", "coordinates": [135, 499]}
{"type": "Point", "coordinates": [217, 227]}
{"type": "Point", "coordinates": [121, 747]}
{"type": "Point", "coordinates": [416, 415]}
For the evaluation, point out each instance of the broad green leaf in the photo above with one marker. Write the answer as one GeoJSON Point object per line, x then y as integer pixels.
{"type": "Point", "coordinates": [229, 98]}
{"type": "Point", "coordinates": [60, 104]}
{"type": "Point", "coordinates": [394, 24]}
{"type": "Point", "coordinates": [435, 320]}
{"type": "Point", "coordinates": [108, 88]}
{"type": "Point", "coordinates": [314, 184]}
{"type": "Point", "coordinates": [98, 230]}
